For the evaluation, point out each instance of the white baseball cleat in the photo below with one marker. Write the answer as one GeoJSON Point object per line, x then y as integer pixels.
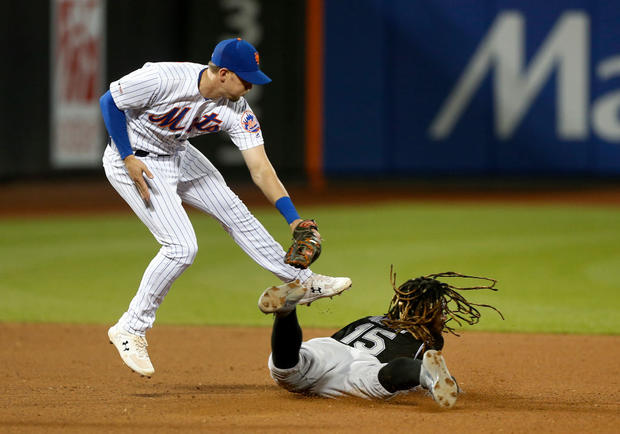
{"type": "Point", "coordinates": [132, 349]}
{"type": "Point", "coordinates": [282, 298]}
{"type": "Point", "coordinates": [435, 377]}
{"type": "Point", "coordinates": [319, 286]}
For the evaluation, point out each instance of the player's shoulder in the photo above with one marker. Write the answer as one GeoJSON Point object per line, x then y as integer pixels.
{"type": "Point", "coordinates": [175, 69]}
{"type": "Point", "coordinates": [377, 319]}
{"type": "Point", "coordinates": [167, 64]}
{"type": "Point", "coordinates": [372, 320]}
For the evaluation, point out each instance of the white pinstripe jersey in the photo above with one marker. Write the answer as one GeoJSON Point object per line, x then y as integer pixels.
{"type": "Point", "coordinates": [164, 108]}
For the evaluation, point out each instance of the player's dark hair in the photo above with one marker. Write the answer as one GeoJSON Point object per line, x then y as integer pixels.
{"type": "Point", "coordinates": [418, 302]}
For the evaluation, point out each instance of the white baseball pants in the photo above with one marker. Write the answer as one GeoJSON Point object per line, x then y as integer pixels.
{"type": "Point", "coordinates": [331, 369]}
{"type": "Point", "coordinates": [186, 177]}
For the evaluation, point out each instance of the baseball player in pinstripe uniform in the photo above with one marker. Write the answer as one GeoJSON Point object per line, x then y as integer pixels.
{"type": "Point", "coordinates": [150, 114]}
{"type": "Point", "coordinates": [375, 357]}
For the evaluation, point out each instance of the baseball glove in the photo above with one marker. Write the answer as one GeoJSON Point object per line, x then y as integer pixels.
{"type": "Point", "coordinates": [306, 246]}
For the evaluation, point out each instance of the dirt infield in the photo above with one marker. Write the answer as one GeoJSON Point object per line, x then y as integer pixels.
{"type": "Point", "coordinates": [67, 378]}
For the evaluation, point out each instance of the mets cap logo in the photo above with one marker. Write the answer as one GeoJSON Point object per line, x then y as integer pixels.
{"type": "Point", "coordinates": [256, 58]}
{"type": "Point", "coordinates": [249, 122]}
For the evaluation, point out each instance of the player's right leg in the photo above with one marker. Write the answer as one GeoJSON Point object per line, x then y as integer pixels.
{"type": "Point", "coordinates": [402, 373]}
{"type": "Point", "coordinates": [204, 187]}
{"type": "Point", "coordinates": [168, 222]}
{"type": "Point", "coordinates": [405, 373]}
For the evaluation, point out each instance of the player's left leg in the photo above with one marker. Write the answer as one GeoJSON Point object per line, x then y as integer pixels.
{"type": "Point", "coordinates": [167, 220]}
{"type": "Point", "coordinates": [281, 299]}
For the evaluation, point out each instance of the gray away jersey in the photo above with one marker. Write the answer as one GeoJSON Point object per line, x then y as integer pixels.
{"type": "Point", "coordinates": [164, 108]}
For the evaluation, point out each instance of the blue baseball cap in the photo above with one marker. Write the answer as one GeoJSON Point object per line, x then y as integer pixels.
{"type": "Point", "coordinates": [241, 58]}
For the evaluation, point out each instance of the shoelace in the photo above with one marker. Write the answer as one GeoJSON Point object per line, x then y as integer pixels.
{"type": "Point", "coordinates": [318, 281]}
{"type": "Point", "coordinates": [141, 345]}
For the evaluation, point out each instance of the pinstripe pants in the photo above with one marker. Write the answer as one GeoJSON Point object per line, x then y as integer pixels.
{"type": "Point", "coordinates": [186, 177]}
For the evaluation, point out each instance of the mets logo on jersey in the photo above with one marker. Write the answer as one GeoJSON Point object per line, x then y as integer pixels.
{"type": "Point", "coordinates": [249, 122]}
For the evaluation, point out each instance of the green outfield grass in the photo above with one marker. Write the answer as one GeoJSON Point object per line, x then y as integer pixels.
{"type": "Point", "coordinates": [558, 267]}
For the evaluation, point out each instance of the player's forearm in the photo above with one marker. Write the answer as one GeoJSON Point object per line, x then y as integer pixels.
{"type": "Point", "coordinates": [265, 177]}
{"type": "Point", "coordinates": [269, 183]}
{"type": "Point", "coordinates": [272, 188]}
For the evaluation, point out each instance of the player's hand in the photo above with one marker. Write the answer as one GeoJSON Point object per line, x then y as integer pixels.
{"type": "Point", "coordinates": [294, 224]}
{"type": "Point", "coordinates": [137, 169]}
{"type": "Point", "coordinates": [307, 244]}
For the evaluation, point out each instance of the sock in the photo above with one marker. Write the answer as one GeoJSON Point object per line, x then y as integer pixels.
{"type": "Point", "coordinates": [400, 374]}
{"type": "Point", "coordinates": [286, 339]}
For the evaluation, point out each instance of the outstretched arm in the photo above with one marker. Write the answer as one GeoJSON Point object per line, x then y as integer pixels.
{"type": "Point", "coordinates": [265, 177]}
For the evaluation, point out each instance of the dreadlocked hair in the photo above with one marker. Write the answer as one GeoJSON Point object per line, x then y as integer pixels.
{"type": "Point", "coordinates": [417, 302]}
